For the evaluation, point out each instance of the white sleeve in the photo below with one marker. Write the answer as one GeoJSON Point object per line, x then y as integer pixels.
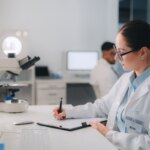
{"type": "Point", "coordinates": [100, 108]}
{"type": "Point", "coordinates": [88, 110]}
{"type": "Point", "coordinates": [129, 141]}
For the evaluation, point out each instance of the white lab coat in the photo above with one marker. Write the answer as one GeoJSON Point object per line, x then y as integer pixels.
{"type": "Point", "coordinates": [137, 114]}
{"type": "Point", "coordinates": [102, 78]}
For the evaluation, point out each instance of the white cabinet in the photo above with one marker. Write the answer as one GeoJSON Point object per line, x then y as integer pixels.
{"type": "Point", "coordinates": [50, 91]}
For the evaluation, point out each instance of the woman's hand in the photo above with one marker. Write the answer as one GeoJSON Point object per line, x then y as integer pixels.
{"type": "Point", "coordinates": [59, 116]}
{"type": "Point", "coordinates": [100, 127]}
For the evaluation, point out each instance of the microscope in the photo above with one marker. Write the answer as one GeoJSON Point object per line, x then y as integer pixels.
{"type": "Point", "coordinates": [10, 68]}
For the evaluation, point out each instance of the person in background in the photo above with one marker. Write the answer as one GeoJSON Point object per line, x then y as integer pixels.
{"type": "Point", "coordinates": [104, 76]}
{"type": "Point", "coordinates": [127, 105]}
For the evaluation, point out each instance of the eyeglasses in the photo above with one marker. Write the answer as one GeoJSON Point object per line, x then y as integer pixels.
{"type": "Point", "coordinates": [120, 54]}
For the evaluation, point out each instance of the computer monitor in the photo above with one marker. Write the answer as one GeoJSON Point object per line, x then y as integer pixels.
{"type": "Point", "coordinates": [41, 71]}
{"type": "Point", "coordinates": [81, 62]}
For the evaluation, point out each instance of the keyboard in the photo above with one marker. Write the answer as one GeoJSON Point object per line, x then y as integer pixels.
{"type": "Point", "coordinates": [34, 139]}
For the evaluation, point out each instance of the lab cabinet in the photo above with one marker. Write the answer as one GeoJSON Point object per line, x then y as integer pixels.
{"type": "Point", "coordinates": [24, 82]}
{"type": "Point", "coordinates": [50, 91]}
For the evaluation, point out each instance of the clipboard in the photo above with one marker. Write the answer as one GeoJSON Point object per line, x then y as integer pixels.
{"type": "Point", "coordinates": [73, 128]}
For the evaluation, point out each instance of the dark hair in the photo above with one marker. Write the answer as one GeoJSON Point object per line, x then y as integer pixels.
{"type": "Point", "coordinates": [137, 34]}
{"type": "Point", "coordinates": [106, 46]}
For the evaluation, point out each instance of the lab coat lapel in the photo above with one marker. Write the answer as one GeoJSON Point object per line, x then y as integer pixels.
{"type": "Point", "coordinates": [119, 97]}
{"type": "Point", "coordinates": [141, 91]}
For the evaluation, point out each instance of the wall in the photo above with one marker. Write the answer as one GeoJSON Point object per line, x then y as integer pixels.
{"type": "Point", "coordinates": [55, 26]}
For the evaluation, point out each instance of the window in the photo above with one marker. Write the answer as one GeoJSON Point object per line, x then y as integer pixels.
{"type": "Point", "coordinates": [132, 10]}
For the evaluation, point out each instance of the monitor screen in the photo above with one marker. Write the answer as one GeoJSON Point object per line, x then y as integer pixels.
{"type": "Point", "coordinates": [81, 60]}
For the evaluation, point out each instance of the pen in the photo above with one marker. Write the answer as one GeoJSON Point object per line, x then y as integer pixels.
{"type": "Point", "coordinates": [60, 106]}
{"type": "Point", "coordinates": [23, 123]}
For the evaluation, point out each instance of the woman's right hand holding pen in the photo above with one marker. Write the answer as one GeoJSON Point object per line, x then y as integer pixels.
{"type": "Point", "coordinates": [57, 115]}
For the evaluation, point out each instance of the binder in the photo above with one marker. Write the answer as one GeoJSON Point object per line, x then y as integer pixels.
{"type": "Point", "coordinates": [82, 125]}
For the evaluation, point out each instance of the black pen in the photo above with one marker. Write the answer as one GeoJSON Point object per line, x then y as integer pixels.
{"type": "Point", "coordinates": [60, 106]}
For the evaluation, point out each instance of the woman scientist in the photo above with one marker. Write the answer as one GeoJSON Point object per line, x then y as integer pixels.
{"type": "Point", "coordinates": [127, 105]}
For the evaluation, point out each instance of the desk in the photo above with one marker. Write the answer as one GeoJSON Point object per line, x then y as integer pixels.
{"type": "Point", "coordinates": [84, 139]}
